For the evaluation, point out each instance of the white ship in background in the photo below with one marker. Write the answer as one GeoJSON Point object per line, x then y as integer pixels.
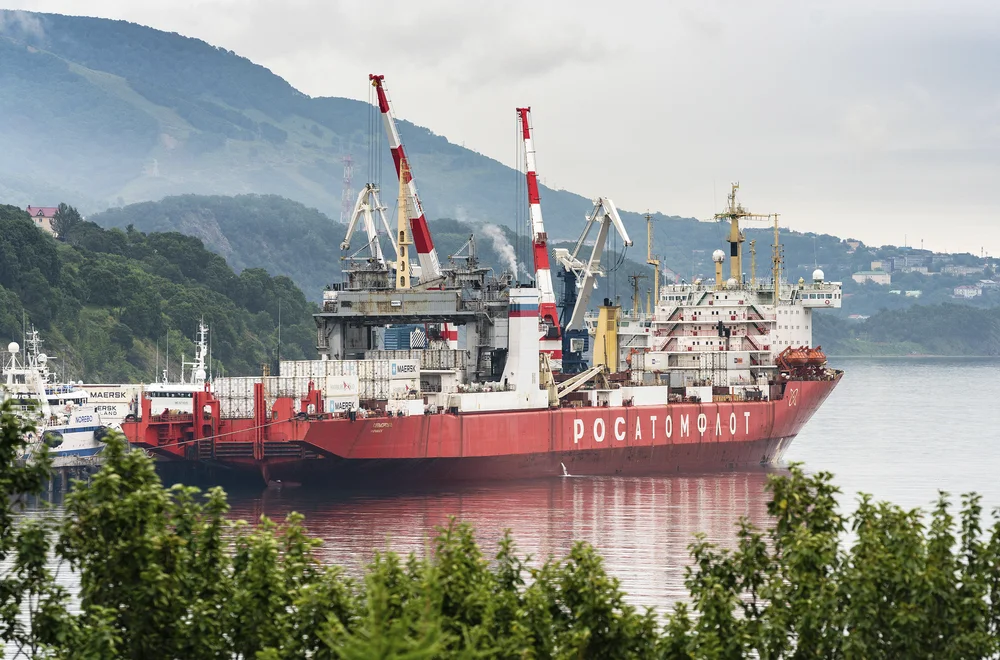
{"type": "Point", "coordinates": [176, 396]}
{"type": "Point", "coordinates": [119, 402]}
{"type": "Point", "coordinates": [64, 419]}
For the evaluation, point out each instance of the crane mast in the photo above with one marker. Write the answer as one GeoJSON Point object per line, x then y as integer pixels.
{"type": "Point", "coordinates": [655, 263]}
{"type": "Point", "coordinates": [430, 266]}
{"type": "Point", "coordinates": [552, 340]}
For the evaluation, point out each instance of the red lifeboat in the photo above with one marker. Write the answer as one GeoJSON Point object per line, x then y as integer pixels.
{"type": "Point", "coordinates": [797, 357]}
{"type": "Point", "coordinates": [816, 357]}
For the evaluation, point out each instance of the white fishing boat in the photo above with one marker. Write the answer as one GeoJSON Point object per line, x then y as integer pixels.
{"type": "Point", "coordinates": [176, 396]}
{"type": "Point", "coordinates": [64, 419]}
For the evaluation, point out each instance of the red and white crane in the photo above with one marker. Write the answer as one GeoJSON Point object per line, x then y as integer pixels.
{"type": "Point", "coordinates": [552, 339]}
{"type": "Point", "coordinates": [430, 266]}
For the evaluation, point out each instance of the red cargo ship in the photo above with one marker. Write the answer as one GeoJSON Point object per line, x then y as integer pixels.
{"type": "Point", "coordinates": [289, 445]}
{"type": "Point", "coordinates": [533, 428]}
{"type": "Point", "coordinates": [720, 375]}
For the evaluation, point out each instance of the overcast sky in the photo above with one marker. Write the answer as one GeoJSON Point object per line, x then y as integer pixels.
{"type": "Point", "coordinates": [881, 124]}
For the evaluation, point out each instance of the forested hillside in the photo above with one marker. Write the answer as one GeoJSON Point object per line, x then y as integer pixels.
{"type": "Point", "coordinates": [105, 299]}
{"type": "Point", "coordinates": [944, 329]}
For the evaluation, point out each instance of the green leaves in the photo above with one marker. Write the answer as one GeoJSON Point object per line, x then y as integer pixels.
{"type": "Point", "coordinates": [165, 574]}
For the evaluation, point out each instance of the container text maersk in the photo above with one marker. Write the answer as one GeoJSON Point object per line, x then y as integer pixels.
{"type": "Point", "coordinates": [599, 430]}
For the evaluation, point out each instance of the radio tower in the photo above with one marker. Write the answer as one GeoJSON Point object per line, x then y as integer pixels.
{"type": "Point", "coordinates": [347, 199]}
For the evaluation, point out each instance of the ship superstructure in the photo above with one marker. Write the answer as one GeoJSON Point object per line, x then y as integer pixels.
{"type": "Point", "coordinates": [728, 332]}
{"type": "Point", "coordinates": [64, 419]}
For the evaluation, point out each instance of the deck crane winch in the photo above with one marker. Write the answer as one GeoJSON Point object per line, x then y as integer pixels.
{"type": "Point", "coordinates": [430, 266]}
{"type": "Point", "coordinates": [365, 210]}
{"type": "Point", "coordinates": [551, 342]}
{"type": "Point", "coordinates": [604, 215]}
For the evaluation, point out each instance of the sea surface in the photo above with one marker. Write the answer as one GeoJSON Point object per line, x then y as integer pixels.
{"type": "Point", "coordinates": [900, 429]}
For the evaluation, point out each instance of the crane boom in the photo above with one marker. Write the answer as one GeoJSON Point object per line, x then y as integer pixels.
{"type": "Point", "coordinates": [367, 204]}
{"type": "Point", "coordinates": [552, 341]}
{"type": "Point", "coordinates": [605, 215]}
{"type": "Point", "coordinates": [430, 266]}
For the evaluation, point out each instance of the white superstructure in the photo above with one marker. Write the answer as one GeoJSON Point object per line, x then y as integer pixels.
{"type": "Point", "coordinates": [176, 396]}
{"type": "Point", "coordinates": [726, 333]}
{"type": "Point", "coordinates": [64, 420]}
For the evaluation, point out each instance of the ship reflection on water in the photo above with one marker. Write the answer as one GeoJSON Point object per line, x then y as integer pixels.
{"type": "Point", "coordinates": [642, 526]}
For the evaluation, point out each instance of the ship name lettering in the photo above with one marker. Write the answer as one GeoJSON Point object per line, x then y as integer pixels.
{"type": "Point", "coordinates": [685, 425]}
{"type": "Point", "coordinates": [382, 425]}
{"type": "Point", "coordinates": [718, 424]}
{"type": "Point", "coordinates": [638, 429]}
{"type": "Point", "coordinates": [702, 423]}
{"type": "Point", "coordinates": [746, 416]}
{"type": "Point", "coordinates": [670, 426]}
{"type": "Point", "coordinates": [577, 431]}
{"type": "Point", "coordinates": [732, 423]}
{"type": "Point", "coordinates": [618, 422]}
{"type": "Point", "coordinates": [599, 435]}
{"type": "Point", "coordinates": [652, 423]}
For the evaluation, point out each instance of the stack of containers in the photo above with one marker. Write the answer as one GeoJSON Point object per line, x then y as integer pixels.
{"type": "Point", "coordinates": [430, 359]}
{"type": "Point", "coordinates": [235, 396]}
{"type": "Point", "coordinates": [348, 381]}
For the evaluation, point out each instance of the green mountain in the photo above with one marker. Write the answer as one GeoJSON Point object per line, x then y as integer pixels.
{"type": "Point", "coordinates": [108, 112]}
{"type": "Point", "coordinates": [107, 302]}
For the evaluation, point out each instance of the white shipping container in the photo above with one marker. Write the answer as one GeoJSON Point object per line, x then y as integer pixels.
{"type": "Point", "coordinates": [236, 408]}
{"type": "Point", "coordinates": [400, 389]}
{"type": "Point", "coordinates": [337, 386]}
{"type": "Point", "coordinates": [113, 402]}
{"type": "Point", "coordinates": [404, 369]}
{"type": "Point", "coordinates": [238, 388]}
{"type": "Point", "coordinates": [340, 404]}
{"type": "Point", "coordinates": [374, 389]}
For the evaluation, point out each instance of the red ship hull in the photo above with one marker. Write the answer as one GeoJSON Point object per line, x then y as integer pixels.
{"type": "Point", "coordinates": [626, 440]}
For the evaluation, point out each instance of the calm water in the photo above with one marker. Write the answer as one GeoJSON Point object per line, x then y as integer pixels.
{"type": "Point", "coordinates": [900, 429]}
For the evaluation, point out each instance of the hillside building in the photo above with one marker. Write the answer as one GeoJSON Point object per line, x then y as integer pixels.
{"type": "Point", "coordinates": [42, 217]}
{"type": "Point", "coordinates": [967, 291]}
{"type": "Point", "coordinates": [962, 270]}
{"type": "Point", "coordinates": [876, 276]}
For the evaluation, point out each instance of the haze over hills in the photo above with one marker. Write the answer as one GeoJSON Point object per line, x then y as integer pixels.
{"type": "Point", "coordinates": [108, 113]}
{"type": "Point", "coordinates": [102, 113]}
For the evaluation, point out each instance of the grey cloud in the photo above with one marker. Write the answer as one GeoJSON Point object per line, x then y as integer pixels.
{"type": "Point", "coordinates": [20, 24]}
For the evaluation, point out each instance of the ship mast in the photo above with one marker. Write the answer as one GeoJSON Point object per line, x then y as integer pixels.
{"type": "Point", "coordinates": [655, 263]}
{"type": "Point", "coordinates": [734, 213]}
{"type": "Point", "coordinates": [776, 261]}
{"type": "Point", "coordinates": [403, 242]}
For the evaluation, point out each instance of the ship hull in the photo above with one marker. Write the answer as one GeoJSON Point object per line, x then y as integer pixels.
{"type": "Point", "coordinates": [517, 444]}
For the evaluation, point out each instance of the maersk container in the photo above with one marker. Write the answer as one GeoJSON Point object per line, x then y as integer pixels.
{"type": "Point", "coordinates": [340, 404]}
{"type": "Point", "coordinates": [404, 369]}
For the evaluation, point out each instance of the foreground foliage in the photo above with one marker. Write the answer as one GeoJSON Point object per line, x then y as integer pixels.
{"type": "Point", "coordinates": [164, 574]}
